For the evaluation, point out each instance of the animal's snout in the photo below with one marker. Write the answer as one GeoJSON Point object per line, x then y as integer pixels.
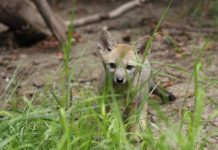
{"type": "Point", "coordinates": [120, 80]}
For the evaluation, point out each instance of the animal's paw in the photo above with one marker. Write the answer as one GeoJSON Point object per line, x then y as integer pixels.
{"type": "Point", "coordinates": [135, 138]}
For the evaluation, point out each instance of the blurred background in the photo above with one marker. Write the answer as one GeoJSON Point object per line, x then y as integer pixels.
{"type": "Point", "coordinates": [32, 34]}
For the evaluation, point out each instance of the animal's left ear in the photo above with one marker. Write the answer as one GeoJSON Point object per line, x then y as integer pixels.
{"type": "Point", "coordinates": [141, 43]}
{"type": "Point", "coordinates": [106, 42]}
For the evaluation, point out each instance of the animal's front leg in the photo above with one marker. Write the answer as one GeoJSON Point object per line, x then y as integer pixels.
{"type": "Point", "coordinates": [137, 120]}
{"type": "Point", "coordinates": [143, 118]}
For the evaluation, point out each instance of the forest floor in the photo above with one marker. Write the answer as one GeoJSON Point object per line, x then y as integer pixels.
{"type": "Point", "coordinates": [35, 66]}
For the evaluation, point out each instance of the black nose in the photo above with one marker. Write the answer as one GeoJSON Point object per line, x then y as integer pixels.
{"type": "Point", "coordinates": [119, 80]}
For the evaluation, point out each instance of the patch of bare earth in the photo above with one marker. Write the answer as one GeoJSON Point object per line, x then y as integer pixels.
{"type": "Point", "coordinates": [42, 63]}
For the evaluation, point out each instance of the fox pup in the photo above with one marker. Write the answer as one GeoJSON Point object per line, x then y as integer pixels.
{"type": "Point", "coordinates": [128, 75]}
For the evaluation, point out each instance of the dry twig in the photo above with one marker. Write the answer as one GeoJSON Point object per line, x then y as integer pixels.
{"type": "Point", "coordinates": [109, 15]}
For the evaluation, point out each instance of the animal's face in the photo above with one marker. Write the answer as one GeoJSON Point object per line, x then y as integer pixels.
{"type": "Point", "coordinates": [121, 63]}
{"type": "Point", "coordinates": [119, 59]}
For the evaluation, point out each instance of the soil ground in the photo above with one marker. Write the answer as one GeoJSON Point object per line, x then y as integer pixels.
{"type": "Point", "coordinates": [38, 64]}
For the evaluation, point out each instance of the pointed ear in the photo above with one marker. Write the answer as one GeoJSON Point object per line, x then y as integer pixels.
{"type": "Point", "coordinates": [105, 41]}
{"type": "Point", "coordinates": [141, 43]}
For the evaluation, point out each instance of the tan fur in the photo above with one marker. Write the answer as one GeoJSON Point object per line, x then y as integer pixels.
{"type": "Point", "coordinates": [122, 52]}
{"type": "Point", "coordinates": [122, 55]}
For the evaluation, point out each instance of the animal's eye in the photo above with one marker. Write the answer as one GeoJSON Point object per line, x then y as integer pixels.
{"type": "Point", "coordinates": [112, 65]}
{"type": "Point", "coordinates": [129, 67]}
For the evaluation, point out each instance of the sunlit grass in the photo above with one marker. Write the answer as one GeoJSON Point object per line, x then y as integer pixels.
{"type": "Point", "coordinates": [59, 123]}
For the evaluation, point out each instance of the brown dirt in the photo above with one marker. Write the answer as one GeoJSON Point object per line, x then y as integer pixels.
{"type": "Point", "coordinates": [42, 62]}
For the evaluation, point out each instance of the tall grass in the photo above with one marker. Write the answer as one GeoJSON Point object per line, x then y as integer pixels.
{"type": "Point", "coordinates": [59, 123]}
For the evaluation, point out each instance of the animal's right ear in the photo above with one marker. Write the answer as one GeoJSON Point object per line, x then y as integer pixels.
{"type": "Point", "coordinates": [105, 41]}
{"type": "Point", "coordinates": [140, 44]}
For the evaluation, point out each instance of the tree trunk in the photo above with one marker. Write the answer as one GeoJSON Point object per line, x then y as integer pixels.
{"type": "Point", "coordinates": [22, 17]}
{"type": "Point", "coordinates": [57, 28]}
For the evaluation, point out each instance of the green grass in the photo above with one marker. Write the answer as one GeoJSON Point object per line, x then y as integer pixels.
{"type": "Point", "coordinates": [58, 123]}
{"type": "Point", "coordinates": [86, 125]}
